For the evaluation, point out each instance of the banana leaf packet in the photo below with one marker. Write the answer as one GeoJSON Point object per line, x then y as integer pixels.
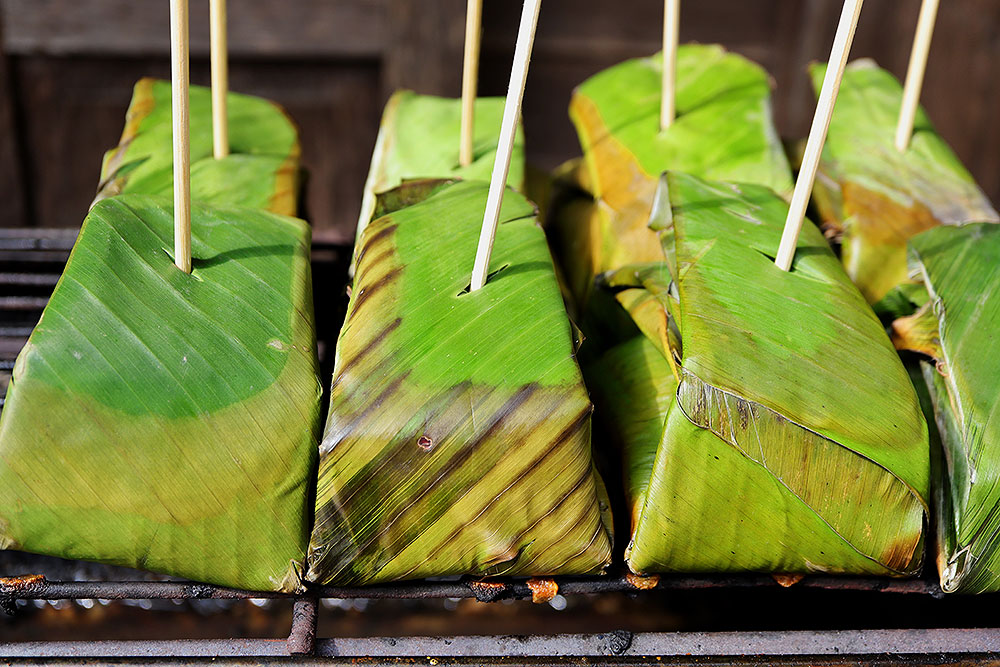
{"type": "Point", "coordinates": [723, 131]}
{"type": "Point", "coordinates": [167, 421]}
{"type": "Point", "coordinates": [765, 422]}
{"type": "Point", "coordinates": [419, 138]}
{"type": "Point", "coordinates": [958, 328]}
{"type": "Point", "coordinates": [873, 198]}
{"type": "Point", "coordinates": [261, 171]}
{"type": "Point", "coordinates": [459, 438]}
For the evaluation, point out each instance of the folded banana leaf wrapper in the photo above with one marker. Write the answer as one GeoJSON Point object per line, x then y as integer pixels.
{"type": "Point", "coordinates": [765, 420]}
{"type": "Point", "coordinates": [168, 421]}
{"type": "Point", "coordinates": [419, 139]}
{"type": "Point", "coordinates": [458, 438]}
{"type": "Point", "coordinates": [875, 198]}
{"type": "Point", "coordinates": [262, 170]}
{"type": "Point", "coordinates": [958, 329]}
{"type": "Point", "coordinates": [723, 131]}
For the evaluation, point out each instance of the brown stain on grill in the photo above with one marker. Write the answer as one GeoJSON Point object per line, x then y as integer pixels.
{"type": "Point", "coordinates": [543, 589]}
{"type": "Point", "coordinates": [642, 582]}
{"type": "Point", "coordinates": [17, 586]}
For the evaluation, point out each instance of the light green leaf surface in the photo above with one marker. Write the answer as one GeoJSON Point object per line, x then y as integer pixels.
{"type": "Point", "coordinates": [458, 440]}
{"type": "Point", "coordinates": [877, 198]}
{"type": "Point", "coordinates": [261, 171]}
{"type": "Point", "coordinates": [723, 131]}
{"type": "Point", "coordinates": [959, 267]}
{"type": "Point", "coordinates": [419, 139]}
{"type": "Point", "coordinates": [795, 442]}
{"type": "Point", "coordinates": [168, 421]}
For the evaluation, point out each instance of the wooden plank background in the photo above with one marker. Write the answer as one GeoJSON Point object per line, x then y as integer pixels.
{"type": "Point", "coordinates": [67, 67]}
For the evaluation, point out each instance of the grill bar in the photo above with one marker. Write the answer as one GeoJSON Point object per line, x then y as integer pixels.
{"type": "Point", "coordinates": [35, 587]}
{"type": "Point", "coordinates": [947, 646]}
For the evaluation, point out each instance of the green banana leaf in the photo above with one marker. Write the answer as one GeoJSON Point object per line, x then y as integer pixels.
{"type": "Point", "coordinates": [419, 137]}
{"type": "Point", "coordinates": [769, 425]}
{"type": "Point", "coordinates": [168, 421]}
{"type": "Point", "coordinates": [875, 198]}
{"type": "Point", "coordinates": [958, 328]}
{"type": "Point", "coordinates": [458, 438]}
{"type": "Point", "coordinates": [262, 171]}
{"type": "Point", "coordinates": [723, 131]}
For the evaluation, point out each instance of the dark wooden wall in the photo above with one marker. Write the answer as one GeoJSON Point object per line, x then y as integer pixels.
{"type": "Point", "coordinates": [67, 67]}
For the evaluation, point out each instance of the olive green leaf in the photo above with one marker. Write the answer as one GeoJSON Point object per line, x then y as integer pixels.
{"type": "Point", "coordinates": [789, 437]}
{"type": "Point", "coordinates": [458, 439]}
{"type": "Point", "coordinates": [958, 329]}
{"type": "Point", "coordinates": [874, 197]}
{"type": "Point", "coordinates": [262, 170]}
{"type": "Point", "coordinates": [168, 421]}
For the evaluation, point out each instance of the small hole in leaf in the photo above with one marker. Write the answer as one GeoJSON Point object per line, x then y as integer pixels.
{"type": "Point", "coordinates": [425, 443]}
{"type": "Point", "coordinates": [468, 288]}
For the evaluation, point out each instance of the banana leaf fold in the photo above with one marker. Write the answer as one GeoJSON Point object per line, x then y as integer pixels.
{"type": "Point", "coordinates": [874, 198]}
{"type": "Point", "coordinates": [723, 131]}
{"type": "Point", "coordinates": [262, 170]}
{"type": "Point", "coordinates": [167, 421]}
{"type": "Point", "coordinates": [764, 420]}
{"type": "Point", "coordinates": [419, 139]}
{"type": "Point", "coordinates": [957, 328]}
{"type": "Point", "coordinates": [458, 437]}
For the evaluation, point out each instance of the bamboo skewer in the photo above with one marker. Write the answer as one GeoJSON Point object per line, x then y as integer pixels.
{"type": "Point", "coordinates": [501, 166]}
{"type": "Point", "coordinates": [470, 78]}
{"type": "Point", "coordinates": [817, 133]}
{"type": "Point", "coordinates": [179, 56]}
{"type": "Point", "coordinates": [220, 78]}
{"type": "Point", "coordinates": [671, 30]}
{"type": "Point", "coordinates": [915, 73]}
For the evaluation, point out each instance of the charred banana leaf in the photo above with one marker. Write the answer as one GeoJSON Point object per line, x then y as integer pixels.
{"type": "Point", "coordinates": [262, 171]}
{"type": "Point", "coordinates": [723, 131]}
{"type": "Point", "coordinates": [168, 421]}
{"type": "Point", "coordinates": [419, 138]}
{"type": "Point", "coordinates": [958, 329]}
{"type": "Point", "coordinates": [874, 198]}
{"type": "Point", "coordinates": [458, 440]}
{"type": "Point", "coordinates": [765, 420]}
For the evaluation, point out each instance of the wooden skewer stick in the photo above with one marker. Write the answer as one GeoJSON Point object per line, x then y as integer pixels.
{"type": "Point", "coordinates": [671, 30]}
{"type": "Point", "coordinates": [501, 166]}
{"type": "Point", "coordinates": [181, 133]}
{"type": "Point", "coordinates": [915, 73]}
{"type": "Point", "coordinates": [220, 78]}
{"type": "Point", "coordinates": [817, 133]}
{"type": "Point", "coordinates": [470, 77]}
